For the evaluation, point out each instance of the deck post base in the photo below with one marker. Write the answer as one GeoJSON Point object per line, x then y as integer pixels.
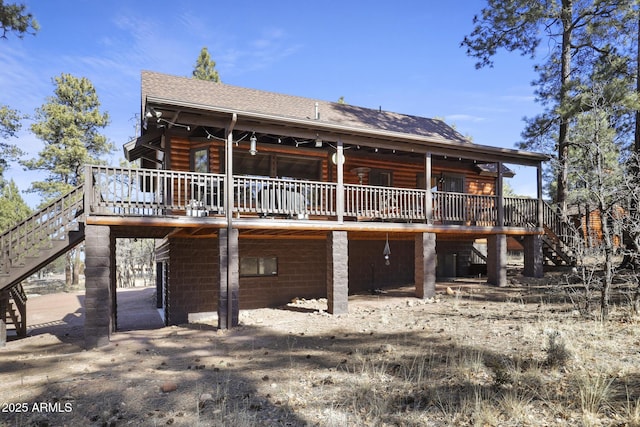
{"type": "Point", "coordinates": [337, 272]}
{"type": "Point", "coordinates": [425, 265]}
{"type": "Point", "coordinates": [533, 256]}
{"type": "Point", "coordinates": [497, 260]}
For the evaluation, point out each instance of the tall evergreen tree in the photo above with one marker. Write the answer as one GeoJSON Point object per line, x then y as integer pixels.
{"type": "Point", "coordinates": [69, 124]}
{"type": "Point", "coordinates": [522, 25]}
{"type": "Point", "coordinates": [205, 68]}
{"type": "Point", "coordinates": [15, 18]}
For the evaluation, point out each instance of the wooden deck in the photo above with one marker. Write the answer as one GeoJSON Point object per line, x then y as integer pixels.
{"type": "Point", "coordinates": [159, 198]}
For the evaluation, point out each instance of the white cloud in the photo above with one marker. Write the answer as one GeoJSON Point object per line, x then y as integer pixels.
{"type": "Point", "coordinates": [453, 118]}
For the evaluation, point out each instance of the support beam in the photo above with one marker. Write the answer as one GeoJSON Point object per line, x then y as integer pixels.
{"type": "Point", "coordinates": [425, 265]}
{"type": "Point", "coordinates": [539, 194]}
{"type": "Point", "coordinates": [98, 301]}
{"type": "Point", "coordinates": [497, 260]}
{"type": "Point", "coordinates": [500, 196]}
{"type": "Point", "coordinates": [337, 272]}
{"type": "Point", "coordinates": [428, 208]}
{"type": "Point", "coordinates": [340, 184]}
{"type": "Point", "coordinates": [229, 284]}
{"type": "Point", "coordinates": [533, 256]}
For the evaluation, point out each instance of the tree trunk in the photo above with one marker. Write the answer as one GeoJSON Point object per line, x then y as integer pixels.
{"type": "Point", "coordinates": [608, 265]}
{"type": "Point", "coordinates": [566, 17]}
{"type": "Point", "coordinates": [67, 272]}
{"type": "Point", "coordinates": [77, 262]}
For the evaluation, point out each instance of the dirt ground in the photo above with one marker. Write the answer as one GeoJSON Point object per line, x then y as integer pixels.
{"type": "Point", "coordinates": [474, 355]}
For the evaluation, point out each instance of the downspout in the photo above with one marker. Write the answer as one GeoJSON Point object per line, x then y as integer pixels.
{"type": "Point", "coordinates": [228, 183]}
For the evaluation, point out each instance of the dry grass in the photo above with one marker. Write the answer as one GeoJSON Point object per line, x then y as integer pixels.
{"type": "Point", "coordinates": [484, 357]}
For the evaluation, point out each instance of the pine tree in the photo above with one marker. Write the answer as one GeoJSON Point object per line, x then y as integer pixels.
{"type": "Point", "coordinates": [69, 124]}
{"type": "Point", "coordinates": [572, 31]}
{"type": "Point", "coordinates": [13, 208]}
{"type": "Point", "coordinates": [205, 68]}
{"type": "Point", "coordinates": [14, 18]}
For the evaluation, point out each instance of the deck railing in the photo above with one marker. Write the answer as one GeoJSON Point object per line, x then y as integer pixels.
{"type": "Point", "coordinates": [117, 191]}
{"type": "Point", "coordinates": [37, 232]}
{"type": "Point", "coordinates": [566, 233]}
{"type": "Point", "coordinates": [286, 197]}
{"type": "Point", "coordinates": [464, 209]}
{"type": "Point", "coordinates": [364, 201]}
{"type": "Point", "coordinates": [520, 212]}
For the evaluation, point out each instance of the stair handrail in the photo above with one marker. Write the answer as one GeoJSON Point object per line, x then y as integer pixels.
{"type": "Point", "coordinates": [18, 294]}
{"type": "Point", "coordinates": [48, 223]}
{"type": "Point", "coordinates": [568, 236]}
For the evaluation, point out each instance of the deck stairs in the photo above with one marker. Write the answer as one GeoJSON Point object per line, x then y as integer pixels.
{"type": "Point", "coordinates": [559, 238]}
{"type": "Point", "coordinates": [13, 306]}
{"type": "Point", "coordinates": [32, 244]}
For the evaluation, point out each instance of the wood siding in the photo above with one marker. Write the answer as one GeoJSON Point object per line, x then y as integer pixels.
{"type": "Point", "coordinates": [405, 170]}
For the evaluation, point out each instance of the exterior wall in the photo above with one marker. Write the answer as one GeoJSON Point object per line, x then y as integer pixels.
{"type": "Point", "coordinates": [367, 269]}
{"type": "Point", "coordinates": [193, 278]}
{"type": "Point", "coordinates": [193, 270]}
{"type": "Point", "coordinates": [405, 172]}
{"type": "Point", "coordinates": [301, 272]}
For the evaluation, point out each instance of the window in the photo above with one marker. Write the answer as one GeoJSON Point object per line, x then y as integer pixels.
{"type": "Point", "coordinates": [200, 160]}
{"type": "Point", "coordinates": [381, 178]}
{"type": "Point", "coordinates": [258, 266]}
{"type": "Point", "coordinates": [276, 165]}
{"type": "Point", "coordinates": [298, 167]}
{"type": "Point", "coordinates": [453, 183]}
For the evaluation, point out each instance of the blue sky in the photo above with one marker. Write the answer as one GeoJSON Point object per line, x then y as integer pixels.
{"type": "Point", "coordinates": [403, 56]}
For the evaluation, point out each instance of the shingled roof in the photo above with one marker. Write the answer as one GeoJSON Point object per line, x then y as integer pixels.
{"type": "Point", "coordinates": [222, 96]}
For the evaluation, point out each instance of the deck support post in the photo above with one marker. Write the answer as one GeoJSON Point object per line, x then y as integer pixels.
{"type": "Point", "coordinates": [229, 286]}
{"type": "Point", "coordinates": [337, 272]}
{"type": "Point", "coordinates": [428, 200]}
{"type": "Point", "coordinates": [533, 256]}
{"type": "Point", "coordinates": [499, 196]}
{"type": "Point", "coordinates": [497, 260]}
{"type": "Point", "coordinates": [340, 184]}
{"type": "Point", "coordinates": [425, 265]}
{"type": "Point", "coordinates": [100, 279]}
{"type": "Point", "coordinates": [540, 222]}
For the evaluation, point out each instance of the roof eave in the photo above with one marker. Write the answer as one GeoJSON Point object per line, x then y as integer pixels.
{"type": "Point", "coordinates": [416, 142]}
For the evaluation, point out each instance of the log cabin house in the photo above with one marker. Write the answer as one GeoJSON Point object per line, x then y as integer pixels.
{"type": "Point", "coordinates": [259, 197]}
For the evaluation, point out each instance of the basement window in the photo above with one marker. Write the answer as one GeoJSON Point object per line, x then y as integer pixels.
{"type": "Point", "coordinates": [258, 266]}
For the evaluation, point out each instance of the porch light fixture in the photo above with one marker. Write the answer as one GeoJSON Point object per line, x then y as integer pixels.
{"type": "Point", "coordinates": [335, 159]}
{"type": "Point", "coordinates": [318, 143]}
{"type": "Point", "coordinates": [253, 141]}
